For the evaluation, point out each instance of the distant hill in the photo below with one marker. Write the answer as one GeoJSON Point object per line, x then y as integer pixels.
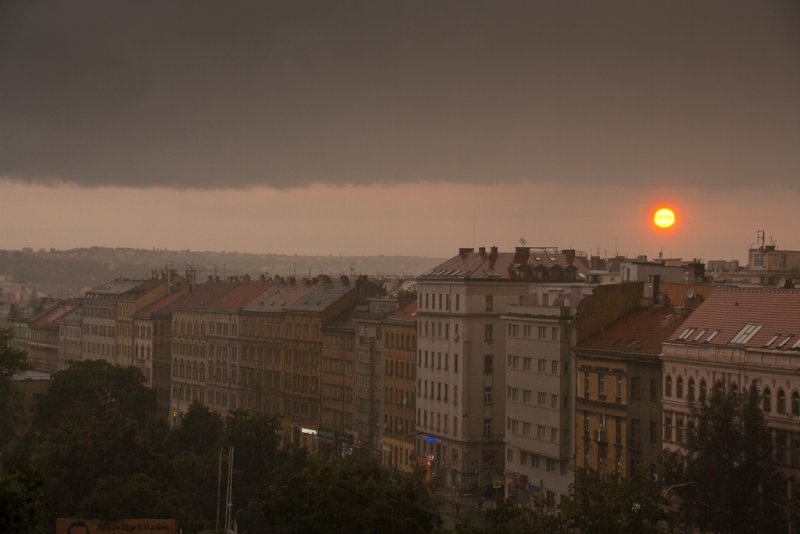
{"type": "Point", "coordinates": [65, 273]}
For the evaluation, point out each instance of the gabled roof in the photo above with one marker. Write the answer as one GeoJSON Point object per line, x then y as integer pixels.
{"type": "Point", "coordinates": [240, 296]}
{"type": "Point", "coordinates": [277, 297]}
{"type": "Point", "coordinates": [322, 295]}
{"type": "Point", "coordinates": [161, 303]}
{"type": "Point", "coordinates": [203, 296]}
{"type": "Point", "coordinates": [53, 314]}
{"type": "Point", "coordinates": [504, 266]}
{"type": "Point", "coordinates": [723, 319]}
{"type": "Point", "coordinates": [642, 331]}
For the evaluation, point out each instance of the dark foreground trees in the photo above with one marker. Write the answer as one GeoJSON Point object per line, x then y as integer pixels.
{"type": "Point", "coordinates": [97, 449]}
{"type": "Point", "coordinates": [728, 480]}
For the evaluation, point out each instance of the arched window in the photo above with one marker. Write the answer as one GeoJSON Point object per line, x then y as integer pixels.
{"type": "Point", "coordinates": [690, 391]}
{"type": "Point", "coordinates": [679, 387]}
{"type": "Point", "coordinates": [703, 389]}
{"type": "Point", "coordinates": [734, 387]}
{"type": "Point", "coordinates": [718, 386]}
{"type": "Point", "coordinates": [781, 402]}
{"type": "Point", "coordinates": [202, 372]}
{"type": "Point", "coordinates": [767, 400]}
{"type": "Point", "coordinates": [795, 403]}
{"type": "Point", "coordinates": [668, 386]}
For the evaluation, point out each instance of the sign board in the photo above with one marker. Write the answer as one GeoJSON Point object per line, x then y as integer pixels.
{"type": "Point", "coordinates": [122, 526]}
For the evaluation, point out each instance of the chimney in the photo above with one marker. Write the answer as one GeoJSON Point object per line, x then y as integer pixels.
{"type": "Point", "coordinates": [325, 278]}
{"type": "Point", "coordinates": [492, 257]}
{"type": "Point", "coordinates": [262, 278]}
{"type": "Point", "coordinates": [482, 252]}
{"type": "Point", "coordinates": [521, 255]}
{"type": "Point", "coordinates": [463, 252]}
{"type": "Point", "coordinates": [569, 254]}
{"type": "Point", "coordinates": [345, 280]}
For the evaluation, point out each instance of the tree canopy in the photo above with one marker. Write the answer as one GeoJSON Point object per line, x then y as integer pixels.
{"type": "Point", "coordinates": [728, 480]}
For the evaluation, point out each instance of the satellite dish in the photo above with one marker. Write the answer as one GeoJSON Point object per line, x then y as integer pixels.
{"type": "Point", "coordinates": [690, 294]}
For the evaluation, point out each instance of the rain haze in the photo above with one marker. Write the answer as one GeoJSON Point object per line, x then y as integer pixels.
{"type": "Point", "coordinates": [399, 127]}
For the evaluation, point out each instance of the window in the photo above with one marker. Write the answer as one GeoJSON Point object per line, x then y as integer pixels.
{"type": "Point", "coordinates": [541, 366]}
{"type": "Point", "coordinates": [487, 395]}
{"type": "Point", "coordinates": [795, 403]}
{"type": "Point", "coordinates": [668, 426]}
{"type": "Point", "coordinates": [455, 363]}
{"type": "Point", "coordinates": [767, 400]}
{"type": "Point", "coordinates": [601, 386]}
{"type": "Point", "coordinates": [703, 389]}
{"type": "Point", "coordinates": [541, 399]}
{"type": "Point", "coordinates": [554, 367]}
{"type": "Point", "coordinates": [527, 395]}
{"type": "Point", "coordinates": [781, 402]}
{"type": "Point", "coordinates": [586, 385]}
{"type": "Point", "coordinates": [690, 392]}
{"type": "Point", "coordinates": [487, 426]}
{"type": "Point", "coordinates": [527, 363]}
{"type": "Point", "coordinates": [679, 388]}
{"type": "Point", "coordinates": [510, 455]}
{"type": "Point", "coordinates": [619, 389]}
{"type": "Point", "coordinates": [489, 302]}
{"type": "Point", "coordinates": [746, 333]}
{"type": "Point", "coordinates": [636, 388]}
{"type": "Point", "coordinates": [487, 364]}
{"type": "Point", "coordinates": [542, 331]}
{"type": "Point", "coordinates": [488, 335]}
{"type": "Point", "coordinates": [653, 433]}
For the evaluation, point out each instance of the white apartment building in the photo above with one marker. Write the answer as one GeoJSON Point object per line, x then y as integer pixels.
{"type": "Point", "coordinates": [737, 338]}
{"type": "Point", "coordinates": [461, 355]}
{"type": "Point", "coordinates": [539, 396]}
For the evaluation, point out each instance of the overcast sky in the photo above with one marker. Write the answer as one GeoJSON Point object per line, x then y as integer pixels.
{"type": "Point", "coordinates": [399, 127]}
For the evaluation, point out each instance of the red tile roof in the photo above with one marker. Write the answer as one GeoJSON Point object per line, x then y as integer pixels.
{"type": "Point", "coordinates": [240, 296]}
{"type": "Point", "coordinates": [163, 302]}
{"type": "Point", "coordinates": [406, 314]}
{"type": "Point", "coordinates": [642, 331]}
{"type": "Point", "coordinates": [728, 310]}
{"type": "Point", "coordinates": [277, 297]}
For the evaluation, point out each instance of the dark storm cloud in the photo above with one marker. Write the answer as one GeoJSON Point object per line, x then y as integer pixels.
{"type": "Point", "coordinates": [218, 94]}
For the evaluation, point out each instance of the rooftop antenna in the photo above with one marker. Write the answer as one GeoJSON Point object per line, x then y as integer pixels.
{"type": "Point", "coordinates": [473, 228]}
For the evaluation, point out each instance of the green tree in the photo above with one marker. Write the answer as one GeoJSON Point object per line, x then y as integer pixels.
{"type": "Point", "coordinates": [507, 517]}
{"type": "Point", "coordinates": [728, 480]}
{"type": "Point", "coordinates": [20, 500]}
{"type": "Point", "coordinates": [96, 423]}
{"type": "Point", "coordinates": [356, 495]}
{"type": "Point", "coordinates": [12, 361]}
{"type": "Point", "coordinates": [634, 504]}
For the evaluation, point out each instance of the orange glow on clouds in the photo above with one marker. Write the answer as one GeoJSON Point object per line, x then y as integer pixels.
{"type": "Point", "coordinates": [664, 218]}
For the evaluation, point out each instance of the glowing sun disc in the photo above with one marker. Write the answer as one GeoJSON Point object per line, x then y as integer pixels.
{"type": "Point", "coordinates": [664, 218]}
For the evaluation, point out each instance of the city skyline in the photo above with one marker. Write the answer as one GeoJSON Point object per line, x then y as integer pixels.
{"type": "Point", "coordinates": [410, 129]}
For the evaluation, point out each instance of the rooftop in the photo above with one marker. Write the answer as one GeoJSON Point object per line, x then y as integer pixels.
{"type": "Point", "coordinates": [642, 331]}
{"type": "Point", "coordinates": [525, 264]}
{"type": "Point", "coordinates": [752, 317]}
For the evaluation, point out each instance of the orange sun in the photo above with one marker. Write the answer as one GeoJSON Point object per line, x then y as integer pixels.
{"type": "Point", "coordinates": [664, 217]}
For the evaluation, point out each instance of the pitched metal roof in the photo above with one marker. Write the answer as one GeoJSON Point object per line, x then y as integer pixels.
{"type": "Point", "coordinates": [505, 266]}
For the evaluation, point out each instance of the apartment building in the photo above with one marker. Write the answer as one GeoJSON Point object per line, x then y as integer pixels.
{"type": "Point", "coordinates": [461, 354]}
{"type": "Point", "coordinates": [400, 349]}
{"type": "Point", "coordinates": [231, 383]}
{"type": "Point", "coordinates": [69, 338]}
{"type": "Point", "coordinates": [146, 340]}
{"type": "Point", "coordinates": [337, 425]}
{"type": "Point", "coordinates": [539, 393]}
{"type": "Point", "coordinates": [735, 339]}
{"type": "Point", "coordinates": [327, 299]}
{"type": "Point", "coordinates": [618, 419]}
{"type": "Point", "coordinates": [261, 336]}
{"type": "Point", "coordinates": [44, 336]}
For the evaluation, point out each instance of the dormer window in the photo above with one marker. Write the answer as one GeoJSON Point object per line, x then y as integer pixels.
{"type": "Point", "coordinates": [746, 333]}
